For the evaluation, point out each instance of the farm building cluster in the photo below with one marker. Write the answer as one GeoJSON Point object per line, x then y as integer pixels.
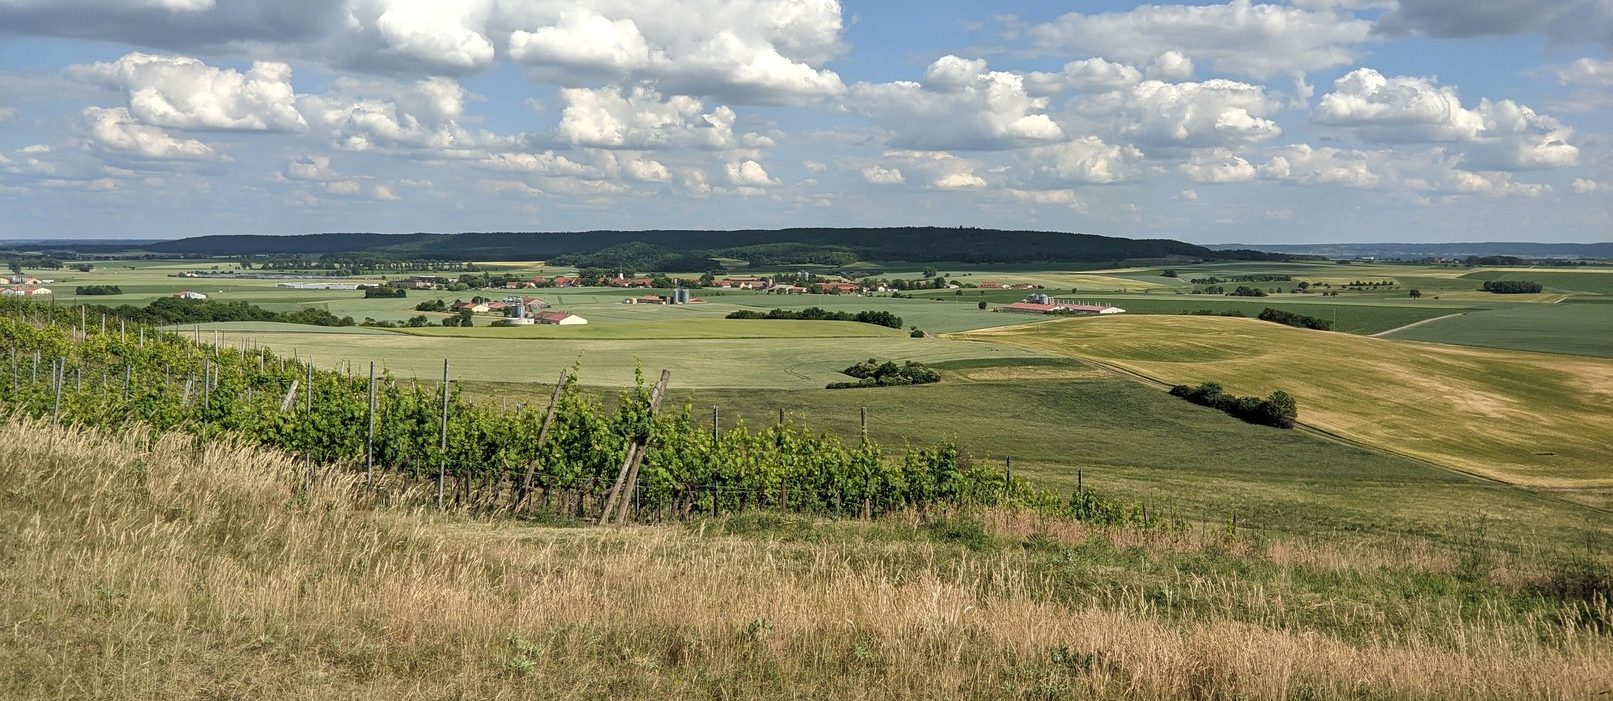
{"type": "Point", "coordinates": [25, 286]}
{"type": "Point", "coordinates": [1043, 304]}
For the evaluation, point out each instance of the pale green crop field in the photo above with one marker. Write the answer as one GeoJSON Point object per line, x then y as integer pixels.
{"type": "Point", "coordinates": [1573, 329]}
{"type": "Point", "coordinates": [758, 363]}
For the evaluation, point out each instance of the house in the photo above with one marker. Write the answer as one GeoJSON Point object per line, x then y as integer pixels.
{"type": "Point", "coordinates": [24, 291]}
{"type": "Point", "coordinates": [838, 288]}
{"type": "Point", "coordinates": [497, 306]}
{"type": "Point", "coordinates": [646, 299]}
{"type": "Point", "coordinates": [1022, 286]}
{"type": "Point", "coordinates": [566, 282]}
{"type": "Point", "coordinates": [560, 319]}
{"type": "Point", "coordinates": [187, 294]}
{"type": "Point", "coordinates": [474, 307]}
{"type": "Point", "coordinates": [24, 280]}
{"type": "Point", "coordinates": [741, 283]}
{"type": "Point", "coordinates": [989, 285]}
{"type": "Point", "coordinates": [519, 284]}
{"type": "Point", "coordinates": [787, 290]}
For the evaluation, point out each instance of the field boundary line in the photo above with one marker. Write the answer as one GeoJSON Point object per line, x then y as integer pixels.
{"type": "Point", "coordinates": [1381, 334]}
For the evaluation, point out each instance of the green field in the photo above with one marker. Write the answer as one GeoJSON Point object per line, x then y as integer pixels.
{"type": "Point", "coordinates": [1572, 329]}
{"type": "Point", "coordinates": [1592, 281]}
{"type": "Point", "coordinates": [1525, 418]}
{"type": "Point", "coordinates": [1015, 392]}
{"type": "Point", "coordinates": [759, 363]}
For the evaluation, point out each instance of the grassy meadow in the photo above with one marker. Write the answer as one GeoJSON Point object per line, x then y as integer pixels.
{"type": "Point", "coordinates": [154, 567]}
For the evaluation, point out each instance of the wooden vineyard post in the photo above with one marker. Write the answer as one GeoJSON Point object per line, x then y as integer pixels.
{"type": "Point", "coordinates": [1008, 473]}
{"type": "Point", "coordinates": [627, 479]}
{"type": "Point", "coordinates": [863, 419]}
{"type": "Point", "coordinates": [716, 426]}
{"type": "Point", "coordinates": [291, 396]}
{"type": "Point", "coordinates": [60, 368]}
{"type": "Point", "coordinates": [369, 441]}
{"type": "Point", "coordinates": [128, 374]}
{"type": "Point", "coordinates": [1080, 483]}
{"type": "Point", "coordinates": [543, 435]}
{"type": "Point", "coordinates": [442, 462]}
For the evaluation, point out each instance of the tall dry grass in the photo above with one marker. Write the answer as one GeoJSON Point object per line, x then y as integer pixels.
{"type": "Point", "coordinates": [141, 568]}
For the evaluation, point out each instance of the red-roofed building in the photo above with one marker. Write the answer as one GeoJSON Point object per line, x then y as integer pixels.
{"type": "Point", "coordinates": [989, 285]}
{"type": "Point", "coordinates": [838, 288]}
{"type": "Point", "coordinates": [560, 319]}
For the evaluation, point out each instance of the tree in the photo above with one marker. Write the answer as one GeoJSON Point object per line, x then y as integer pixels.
{"type": "Point", "coordinates": [1168, 273]}
{"type": "Point", "coordinates": [1415, 293]}
{"type": "Point", "coordinates": [982, 304]}
{"type": "Point", "coordinates": [930, 271]}
{"type": "Point", "coordinates": [82, 267]}
{"type": "Point", "coordinates": [16, 267]}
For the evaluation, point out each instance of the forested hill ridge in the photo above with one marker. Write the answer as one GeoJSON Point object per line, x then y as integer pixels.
{"type": "Point", "coordinates": [668, 248]}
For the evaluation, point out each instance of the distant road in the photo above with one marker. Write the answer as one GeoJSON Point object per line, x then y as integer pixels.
{"type": "Point", "coordinates": [1416, 323]}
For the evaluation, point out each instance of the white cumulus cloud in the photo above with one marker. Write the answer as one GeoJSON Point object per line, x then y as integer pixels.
{"type": "Point", "coordinates": [1405, 109]}
{"type": "Point", "coordinates": [114, 130]}
{"type": "Point", "coordinates": [879, 175]}
{"type": "Point", "coordinates": [960, 105]}
{"type": "Point", "coordinates": [1241, 37]}
{"type": "Point", "coordinates": [185, 93]}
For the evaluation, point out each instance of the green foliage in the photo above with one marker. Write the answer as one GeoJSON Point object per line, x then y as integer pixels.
{"type": "Point", "coordinates": [94, 290]}
{"type": "Point", "coordinates": [1511, 287]}
{"type": "Point", "coordinates": [1278, 409]}
{"type": "Point", "coordinates": [385, 293]}
{"type": "Point", "coordinates": [872, 373]}
{"type": "Point", "coordinates": [1298, 320]}
{"type": "Point", "coordinates": [686, 470]}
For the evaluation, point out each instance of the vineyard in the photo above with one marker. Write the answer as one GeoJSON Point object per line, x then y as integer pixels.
{"type": "Point", "coordinates": [570, 457]}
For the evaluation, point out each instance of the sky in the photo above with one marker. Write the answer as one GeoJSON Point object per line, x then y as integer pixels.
{"type": "Point", "coordinates": [1251, 122]}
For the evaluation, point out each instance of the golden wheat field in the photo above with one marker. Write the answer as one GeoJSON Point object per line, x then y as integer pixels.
{"type": "Point", "coordinates": [1526, 418]}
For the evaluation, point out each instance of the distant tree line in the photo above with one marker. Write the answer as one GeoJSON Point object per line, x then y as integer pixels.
{"type": "Point", "coordinates": [94, 290]}
{"type": "Point", "coordinates": [872, 373]}
{"type": "Point", "coordinates": [878, 318]}
{"type": "Point", "coordinates": [1297, 320]}
{"type": "Point", "coordinates": [1212, 312]}
{"type": "Point", "coordinates": [1237, 278]}
{"type": "Point", "coordinates": [651, 250]}
{"type": "Point", "coordinates": [173, 310]}
{"type": "Point", "coordinates": [1511, 287]}
{"type": "Point", "coordinates": [1278, 409]}
{"type": "Point", "coordinates": [385, 293]}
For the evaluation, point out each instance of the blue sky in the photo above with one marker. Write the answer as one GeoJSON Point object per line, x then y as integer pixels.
{"type": "Point", "coordinates": [1243, 121]}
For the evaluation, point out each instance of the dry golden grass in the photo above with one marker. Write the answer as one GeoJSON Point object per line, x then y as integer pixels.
{"type": "Point", "coordinates": [139, 568]}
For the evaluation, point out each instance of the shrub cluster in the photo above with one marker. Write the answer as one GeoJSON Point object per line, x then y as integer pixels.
{"type": "Point", "coordinates": [872, 373]}
{"type": "Point", "coordinates": [1297, 320]}
{"type": "Point", "coordinates": [879, 318]}
{"type": "Point", "coordinates": [1511, 287]}
{"type": "Point", "coordinates": [92, 290]}
{"type": "Point", "coordinates": [1212, 312]}
{"type": "Point", "coordinates": [1278, 409]}
{"type": "Point", "coordinates": [385, 293]}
